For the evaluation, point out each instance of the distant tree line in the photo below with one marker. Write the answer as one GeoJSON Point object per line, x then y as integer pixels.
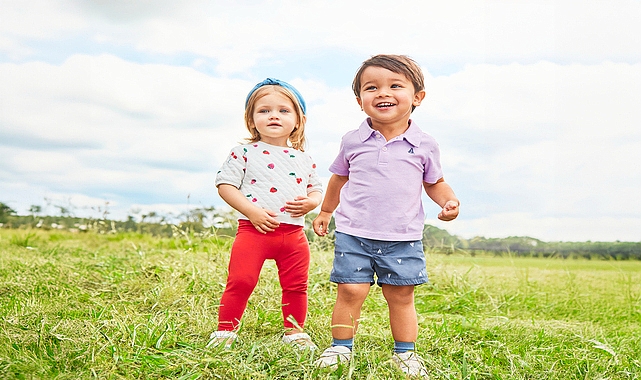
{"type": "Point", "coordinates": [223, 223]}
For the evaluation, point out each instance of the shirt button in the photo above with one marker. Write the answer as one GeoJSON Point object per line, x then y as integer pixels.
{"type": "Point", "coordinates": [384, 149]}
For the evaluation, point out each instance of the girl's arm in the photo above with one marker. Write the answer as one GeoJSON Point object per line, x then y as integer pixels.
{"type": "Point", "coordinates": [443, 195]}
{"type": "Point", "coordinates": [332, 198]}
{"type": "Point", "coordinates": [263, 220]}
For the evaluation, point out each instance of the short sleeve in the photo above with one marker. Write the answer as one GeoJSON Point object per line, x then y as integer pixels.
{"type": "Point", "coordinates": [340, 166]}
{"type": "Point", "coordinates": [232, 171]}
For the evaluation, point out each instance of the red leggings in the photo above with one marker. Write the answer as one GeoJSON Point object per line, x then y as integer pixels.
{"type": "Point", "coordinates": [288, 246]}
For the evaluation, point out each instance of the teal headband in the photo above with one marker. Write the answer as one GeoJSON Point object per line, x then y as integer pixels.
{"type": "Point", "coordinates": [276, 82]}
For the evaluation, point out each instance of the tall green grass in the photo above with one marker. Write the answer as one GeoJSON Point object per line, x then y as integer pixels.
{"type": "Point", "coordinates": [131, 306]}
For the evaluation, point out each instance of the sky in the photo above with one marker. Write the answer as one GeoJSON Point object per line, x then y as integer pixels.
{"type": "Point", "coordinates": [129, 107]}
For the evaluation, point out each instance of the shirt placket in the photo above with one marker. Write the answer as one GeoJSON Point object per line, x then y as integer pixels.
{"type": "Point", "coordinates": [383, 149]}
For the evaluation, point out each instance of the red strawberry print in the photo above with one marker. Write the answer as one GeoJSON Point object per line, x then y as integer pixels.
{"type": "Point", "coordinates": [271, 166]}
{"type": "Point", "coordinates": [265, 152]}
{"type": "Point", "coordinates": [309, 185]}
{"type": "Point", "coordinates": [254, 200]}
{"type": "Point", "coordinates": [285, 151]}
{"type": "Point", "coordinates": [299, 180]}
{"type": "Point", "coordinates": [273, 190]}
{"type": "Point", "coordinates": [313, 166]}
{"type": "Point", "coordinates": [282, 209]}
{"type": "Point", "coordinates": [234, 155]}
{"type": "Point", "coordinates": [253, 181]}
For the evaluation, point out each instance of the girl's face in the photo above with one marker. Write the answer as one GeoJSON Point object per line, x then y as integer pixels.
{"type": "Point", "coordinates": [275, 118]}
{"type": "Point", "coordinates": [387, 97]}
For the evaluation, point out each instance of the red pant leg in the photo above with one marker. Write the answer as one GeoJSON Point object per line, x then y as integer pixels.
{"type": "Point", "coordinates": [293, 271]}
{"type": "Point", "coordinates": [245, 262]}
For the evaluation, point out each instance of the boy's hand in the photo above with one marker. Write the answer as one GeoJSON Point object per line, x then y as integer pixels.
{"type": "Point", "coordinates": [300, 206]}
{"type": "Point", "coordinates": [449, 212]}
{"type": "Point", "coordinates": [321, 223]}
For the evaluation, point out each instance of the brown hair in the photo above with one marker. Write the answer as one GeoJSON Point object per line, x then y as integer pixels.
{"type": "Point", "coordinates": [400, 64]}
{"type": "Point", "coordinates": [297, 137]}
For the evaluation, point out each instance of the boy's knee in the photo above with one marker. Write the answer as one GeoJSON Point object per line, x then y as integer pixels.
{"type": "Point", "coordinates": [398, 294]}
{"type": "Point", "coordinates": [353, 292]}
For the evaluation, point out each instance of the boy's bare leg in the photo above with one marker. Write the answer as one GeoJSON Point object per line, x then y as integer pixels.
{"type": "Point", "coordinates": [402, 313]}
{"type": "Point", "coordinates": [347, 309]}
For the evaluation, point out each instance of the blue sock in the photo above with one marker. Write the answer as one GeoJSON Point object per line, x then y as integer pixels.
{"type": "Point", "coordinates": [400, 347]}
{"type": "Point", "coordinates": [349, 343]}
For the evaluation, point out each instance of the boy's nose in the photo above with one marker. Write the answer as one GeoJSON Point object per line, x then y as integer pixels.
{"type": "Point", "coordinates": [383, 92]}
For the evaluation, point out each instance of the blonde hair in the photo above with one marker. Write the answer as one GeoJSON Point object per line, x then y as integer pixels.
{"type": "Point", "coordinates": [297, 137]}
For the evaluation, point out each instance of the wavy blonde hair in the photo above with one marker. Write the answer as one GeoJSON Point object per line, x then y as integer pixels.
{"type": "Point", "coordinates": [297, 137]}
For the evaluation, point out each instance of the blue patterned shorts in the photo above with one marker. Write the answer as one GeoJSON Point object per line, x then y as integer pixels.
{"type": "Point", "coordinates": [357, 260]}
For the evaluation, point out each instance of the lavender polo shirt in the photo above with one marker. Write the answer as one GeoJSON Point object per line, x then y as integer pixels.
{"type": "Point", "coordinates": [382, 199]}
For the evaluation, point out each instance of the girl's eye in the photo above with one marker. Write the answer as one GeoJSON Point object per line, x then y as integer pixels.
{"type": "Point", "coordinates": [262, 111]}
{"type": "Point", "coordinates": [284, 110]}
{"type": "Point", "coordinates": [396, 86]}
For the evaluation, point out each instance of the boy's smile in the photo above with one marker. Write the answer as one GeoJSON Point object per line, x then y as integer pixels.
{"type": "Point", "coordinates": [387, 97]}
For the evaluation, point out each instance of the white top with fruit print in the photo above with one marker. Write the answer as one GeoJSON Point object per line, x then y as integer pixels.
{"type": "Point", "coordinates": [270, 176]}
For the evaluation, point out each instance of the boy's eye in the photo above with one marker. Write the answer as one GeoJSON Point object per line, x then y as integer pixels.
{"type": "Point", "coordinates": [370, 88]}
{"type": "Point", "coordinates": [396, 86]}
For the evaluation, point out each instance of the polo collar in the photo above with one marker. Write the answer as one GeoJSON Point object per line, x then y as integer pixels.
{"type": "Point", "coordinates": [412, 135]}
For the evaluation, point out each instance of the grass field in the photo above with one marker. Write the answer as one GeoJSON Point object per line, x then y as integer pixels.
{"type": "Point", "coordinates": [126, 306]}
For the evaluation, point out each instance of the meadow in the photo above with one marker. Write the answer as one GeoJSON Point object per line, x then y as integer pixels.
{"type": "Point", "coordinates": [134, 306]}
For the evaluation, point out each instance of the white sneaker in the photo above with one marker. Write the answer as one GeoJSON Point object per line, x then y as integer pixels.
{"type": "Point", "coordinates": [411, 364]}
{"type": "Point", "coordinates": [332, 356]}
{"type": "Point", "coordinates": [218, 338]}
{"type": "Point", "coordinates": [300, 340]}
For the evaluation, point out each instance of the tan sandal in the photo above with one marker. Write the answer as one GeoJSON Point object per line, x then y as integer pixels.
{"type": "Point", "coordinates": [301, 340]}
{"type": "Point", "coordinates": [218, 338]}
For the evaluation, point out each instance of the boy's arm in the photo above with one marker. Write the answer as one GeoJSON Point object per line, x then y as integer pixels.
{"type": "Point", "coordinates": [443, 195]}
{"type": "Point", "coordinates": [263, 220]}
{"type": "Point", "coordinates": [332, 198]}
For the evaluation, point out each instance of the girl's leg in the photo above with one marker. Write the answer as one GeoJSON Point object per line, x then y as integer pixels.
{"type": "Point", "coordinates": [402, 313]}
{"type": "Point", "coordinates": [245, 264]}
{"type": "Point", "coordinates": [347, 309]}
{"type": "Point", "coordinates": [293, 268]}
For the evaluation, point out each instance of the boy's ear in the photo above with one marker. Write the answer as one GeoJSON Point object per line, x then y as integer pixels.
{"type": "Point", "coordinates": [418, 98]}
{"type": "Point", "coordinates": [360, 102]}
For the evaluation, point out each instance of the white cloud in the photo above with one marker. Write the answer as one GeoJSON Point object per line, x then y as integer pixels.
{"type": "Point", "coordinates": [137, 103]}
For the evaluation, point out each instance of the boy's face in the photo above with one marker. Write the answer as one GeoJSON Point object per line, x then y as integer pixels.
{"type": "Point", "coordinates": [387, 97]}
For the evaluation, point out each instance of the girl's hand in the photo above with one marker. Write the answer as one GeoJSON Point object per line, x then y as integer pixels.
{"type": "Point", "coordinates": [263, 220]}
{"type": "Point", "coordinates": [449, 212]}
{"type": "Point", "coordinates": [300, 206]}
